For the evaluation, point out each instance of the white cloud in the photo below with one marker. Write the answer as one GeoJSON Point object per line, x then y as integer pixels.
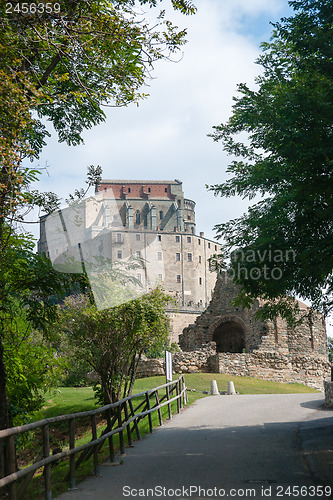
{"type": "Point", "coordinates": [166, 136]}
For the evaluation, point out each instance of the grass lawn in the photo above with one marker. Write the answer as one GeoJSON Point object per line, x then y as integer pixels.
{"type": "Point", "coordinates": [71, 399]}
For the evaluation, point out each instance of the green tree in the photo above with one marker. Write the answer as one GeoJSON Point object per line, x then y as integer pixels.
{"type": "Point", "coordinates": [112, 341]}
{"type": "Point", "coordinates": [29, 290]}
{"type": "Point", "coordinates": [283, 245]}
{"type": "Point", "coordinates": [63, 66]}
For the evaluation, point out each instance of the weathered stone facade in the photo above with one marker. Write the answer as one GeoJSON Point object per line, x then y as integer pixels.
{"type": "Point", "coordinates": [147, 220]}
{"type": "Point", "coordinates": [182, 362]}
{"type": "Point", "coordinates": [265, 349]}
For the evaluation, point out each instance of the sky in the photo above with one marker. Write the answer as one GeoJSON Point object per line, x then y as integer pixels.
{"type": "Point", "coordinates": [165, 137]}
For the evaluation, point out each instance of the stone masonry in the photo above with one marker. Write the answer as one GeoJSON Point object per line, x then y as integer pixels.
{"type": "Point", "coordinates": [266, 349]}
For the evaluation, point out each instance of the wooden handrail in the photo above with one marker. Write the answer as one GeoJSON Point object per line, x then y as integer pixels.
{"type": "Point", "coordinates": [92, 447]}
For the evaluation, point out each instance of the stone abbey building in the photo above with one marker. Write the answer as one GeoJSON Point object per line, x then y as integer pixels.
{"type": "Point", "coordinates": [153, 221]}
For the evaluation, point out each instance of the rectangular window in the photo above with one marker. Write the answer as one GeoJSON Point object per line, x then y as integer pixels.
{"type": "Point", "coordinates": [148, 190]}
{"type": "Point", "coordinates": [189, 239]}
{"type": "Point", "coordinates": [200, 281]}
{"type": "Point", "coordinates": [189, 257]}
{"type": "Point", "coordinates": [215, 247]}
{"type": "Point", "coordinates": [138, 253]}
{"type": "Point", "coordinates": [161, 214]}
{"type": "Point", "coordinates": [199, 242]}
{"type": "Point", "coordinates": [129, 190]}
{"type": "Point", "coordinates": [118, 237]}
{"type": "Point", "coordinates": [159, 237]}
{"type": "Point", "coordinates": [178, 278]}
{"type": "Point", "coordinates": [138, 277]}
{"type": "Point", "coordinates": [159, 255]}
{"type": "Point", "coordinates": [119, 254]}
{"type": "Point", "coordinates": [165, 190]}
{"type": "Point", "coordinates": [177, 239]}
{"type": "Point", "coordinates": [138, 237]}
{"type": "Point", "coordinates": [160, 277]}
{"type": "Point", "coordinates": [208, 245]}
{"type": "Point", "coordinates": [177, 256]}
{"type": "Point", "coordinates": [199, 259]}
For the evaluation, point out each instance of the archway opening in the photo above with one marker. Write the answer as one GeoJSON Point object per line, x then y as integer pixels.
{"type": "Point", "coordinates": [229, 337]}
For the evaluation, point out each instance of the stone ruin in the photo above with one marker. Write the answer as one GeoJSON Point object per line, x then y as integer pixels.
{"type": "Point", "coordinates": [244, 346]}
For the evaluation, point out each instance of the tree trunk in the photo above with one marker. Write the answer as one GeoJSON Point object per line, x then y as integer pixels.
{"type": "Point", "coordinates": [4, 417]}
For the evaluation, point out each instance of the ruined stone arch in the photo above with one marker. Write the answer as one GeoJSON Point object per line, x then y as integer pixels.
{"type": "Point", "coordinates": [229, 333]}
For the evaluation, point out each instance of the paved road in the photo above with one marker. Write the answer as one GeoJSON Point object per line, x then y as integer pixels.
{"type": "Point", "coordinates": [229, 446]}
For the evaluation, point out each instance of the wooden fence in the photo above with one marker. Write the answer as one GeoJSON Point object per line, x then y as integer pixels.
{"type": "Point", "coordinates": [120, 417]}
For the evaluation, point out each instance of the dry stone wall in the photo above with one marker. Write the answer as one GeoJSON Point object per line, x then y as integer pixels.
{"type": "Point", "coordinates": [277, 367]}
{"type": "Point", "coordinates": [272, 366]}
{"type": "Point", "coordinates": [182, 362]}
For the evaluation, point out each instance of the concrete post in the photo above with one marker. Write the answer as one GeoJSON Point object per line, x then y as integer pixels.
{"type": "Point", "coordinates": [231, 388]}
{"type": "Point", "coordinates": [213, 388]}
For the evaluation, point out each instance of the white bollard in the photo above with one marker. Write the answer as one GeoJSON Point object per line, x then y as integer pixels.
{"type": "Point", "coordinates": [231, 388]}
{"type": "Point", "coordinates": [213, 388]}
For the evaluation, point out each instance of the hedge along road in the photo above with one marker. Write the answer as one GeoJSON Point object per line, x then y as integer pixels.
{"type": "Point", "coordinates": [256, 446]}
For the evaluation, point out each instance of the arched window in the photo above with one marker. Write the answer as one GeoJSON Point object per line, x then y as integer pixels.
{"type": "Point", "coordinates": [137, 217]}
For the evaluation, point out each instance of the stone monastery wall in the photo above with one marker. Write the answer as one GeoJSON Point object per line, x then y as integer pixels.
{"type": "Point", "coordinates": [230, 340]}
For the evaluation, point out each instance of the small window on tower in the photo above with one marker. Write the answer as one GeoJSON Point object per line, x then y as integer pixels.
{"type": "Point", "coordinates": [129, 190]}
{"type": "Point", "coordinates": [161, 214]}
{"type": "Point", "coordinates": [178, 278]}
{"type": "Point", "coordinates": [165, 190]}
{"type": "Point", "coordinates": [138, 237]}
{"type": "Point", "coordinates": [119, 254]}
{"type": "Point", "coordinates": [159, 237]}
{"type": "Point", "coordinates": [199, 259]}
{"type": "Point", "coordinates": [177, 239]}
{"type": "Point", "coordinates": [149, 190]}
{"type": "Point", "coordinates": [200, 281]}
{"type": "Point", "coordinates": [159, 255]}
{"type": "Point", "coordinates": [177, 256]}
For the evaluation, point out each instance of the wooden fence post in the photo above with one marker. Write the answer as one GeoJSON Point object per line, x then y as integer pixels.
{"type": "Point", "coordinates": [138, 435]}
{"type": "Point", "coordinates": [169, 405]}
{"type": "Point", "coordinates": [111, 446]}
{"type": "Point", "coordinates": [180, 393]}
{"type": "Point", "coordinates": [121, 433]}
{"type": "Point", "coordinates": [149, 414]}
{"type": "Point", "coordinates": [47, 467]}
{"type": "Point", "coordinates": [11, 465]}
{"type": "Point", "coordinates": [159, 409]}
{"type": "Point", "coordinates": [177, 393]}
{"type": "Point", "coordinates": [128, 426]}
{"type": "Point", "coordinates": [72, 482]}
{"type": "Point", "coordinates": [94, 436]}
